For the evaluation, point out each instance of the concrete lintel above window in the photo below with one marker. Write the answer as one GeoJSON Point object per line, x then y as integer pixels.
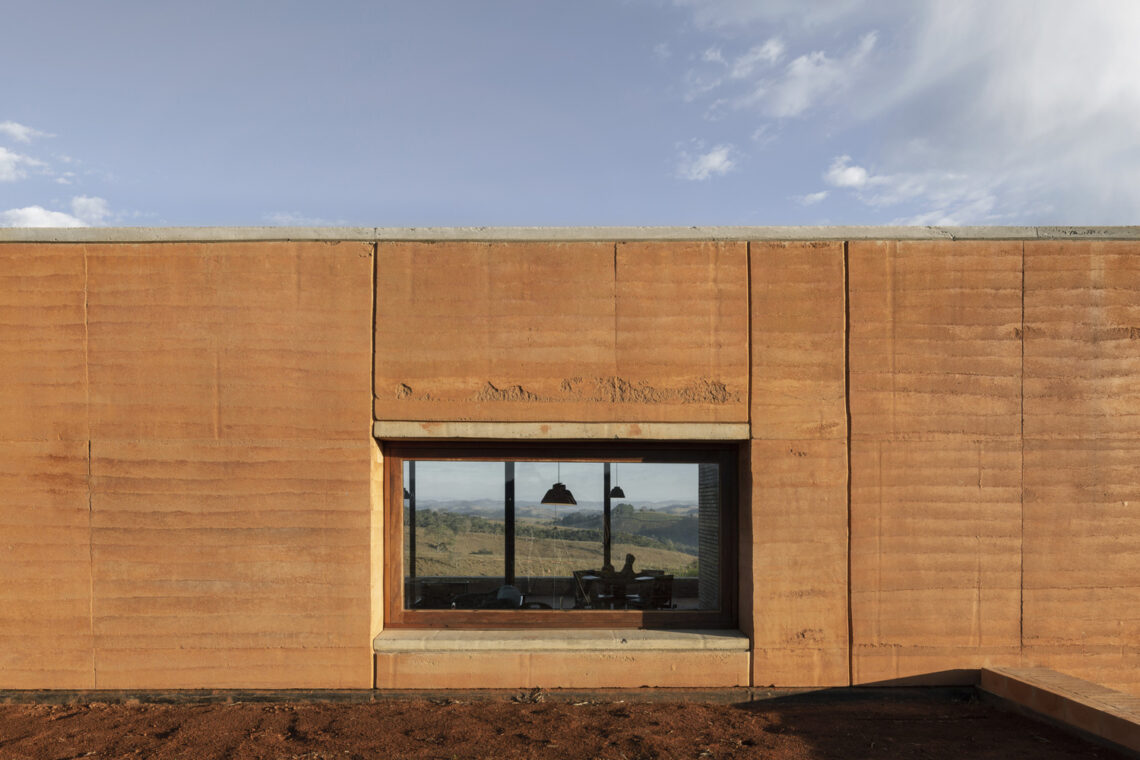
{"type": "Point", "coordinates": [553, 431]}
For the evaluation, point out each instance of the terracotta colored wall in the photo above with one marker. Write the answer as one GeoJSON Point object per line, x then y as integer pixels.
{"type": "Point", "coordinates": [935, 395]}
{"type": "Point", "coordinates": [1082, 449]}
{"type": "Point", "coordinates": [211, 528]}
{"type": "Point", "coordinates": [598, 669]}
{"type": "Point", "coordinates": [799, 465]}
{"type": "Point", "coordinates": [185, 452]}
{"type": "Point", "coordinates": [623, 332]}
{"type": "Point", "coordinates": [45, 571]}
{"type": "Point", "coordinates": [45, 539]}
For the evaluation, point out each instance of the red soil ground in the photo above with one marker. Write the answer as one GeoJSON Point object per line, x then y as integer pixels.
{"type": "Point", "coordinates": [538, 727]}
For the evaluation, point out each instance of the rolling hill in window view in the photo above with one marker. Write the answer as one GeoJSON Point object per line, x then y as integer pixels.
{"type": "Point", "coordinates": [465, 538]}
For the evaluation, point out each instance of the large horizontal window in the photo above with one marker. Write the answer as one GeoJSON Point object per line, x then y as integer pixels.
{"type": "Point", "coordinates": [564, 535]}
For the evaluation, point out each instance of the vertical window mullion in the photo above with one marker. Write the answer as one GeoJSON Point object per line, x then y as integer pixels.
{"type": "Point", "coordinates": [509, 523]}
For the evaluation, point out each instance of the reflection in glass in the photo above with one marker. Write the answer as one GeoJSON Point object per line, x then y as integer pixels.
{"type": "Point", "coordinates": [454, 521]}
{"type": "Point", "coordinates": [477, 536]}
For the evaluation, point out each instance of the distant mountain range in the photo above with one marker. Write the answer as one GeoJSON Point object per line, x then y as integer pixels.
{"type": "Point", "coordinates": [494, 509]}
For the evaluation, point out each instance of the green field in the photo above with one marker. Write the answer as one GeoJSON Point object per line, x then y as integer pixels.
{"type": "Point", "coordinates": [453, 544]}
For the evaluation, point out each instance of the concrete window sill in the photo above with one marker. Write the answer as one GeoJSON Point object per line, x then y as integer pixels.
{"type": "Point", "coordinates": [558, 640]}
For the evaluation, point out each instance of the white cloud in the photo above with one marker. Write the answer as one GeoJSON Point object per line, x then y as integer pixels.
{"type": "Point", "coordinates": [1023, 111]}
{"type": "Point", "coordinates": [779, 93]}
{"type": "Point", "coordinates": [734, 14]}
{"type": "Point", "coordinates": [763, 135]}
{"type": "Point", "coordinates": [771, 52]}
{"type": "Point", "coordinates": [1047, 110]}
{"type": "Point", "coordinates": [697, 85]}
{"type": "Point", "coordinates": [740, 67]}
{"type": "Point", "coordinates": [713, 55]}
{"type": "Point", "coordinates": [38, 216]}
{"type": "Point", "coordinates": [86, 211]}
{"type": "Point", "coordinates": [947, 198]}
{"type": "Point", "coordinates": [716, 109]}
{"type": "Point", "coordinates": [842, 174]}
{"type": "Point", "coordinates": [811, 77]}
{"type": "Point", "coordinates": [19, 132]}
{"type": "Point", "coordinates": [811, 198]}
{"type": "Point", "coordinates": [93, 211]}
{"type": "Point", "coordinates": [1019, 111]}
{"type": "Point", "coordinates": [14, 166]}
{"type": "Point", "coordinates": [713, 163]}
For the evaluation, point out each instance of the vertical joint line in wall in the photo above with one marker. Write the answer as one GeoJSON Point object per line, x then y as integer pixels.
{"type": "Point", "coordinates": [745, 517]}
{"type": "Point", "coordinates": [90, 489]}
{"type": "Point", "coordinates": [615, 348]}
{"type": "Point", "coordinates": [1021, 490]}
{"type": "Point", "coordinates": [847, 451]}
{"type": "Point", "coordinates": [748, 331]}
{"type": "Point", "coordinates": [91, 566]}
{"type": "Point", "coordinates": [372, 331]}
{"type": "Point", "coordinates": [86, 346]}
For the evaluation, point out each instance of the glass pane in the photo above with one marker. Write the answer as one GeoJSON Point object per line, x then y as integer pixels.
{"type": "Point", "coordinates": [551, 543]}
{"type": "Point", "coordinates": [453, 533]}
{"type": "Point", "coordinates": [657, 524]}
{"type": "Point", "coordinates": [488, 535]}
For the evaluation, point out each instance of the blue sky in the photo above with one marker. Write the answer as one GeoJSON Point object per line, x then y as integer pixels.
{"type": "Point", "coordinates": [643, 483]}
{"type": "Point", "coordinates": [657, 112]}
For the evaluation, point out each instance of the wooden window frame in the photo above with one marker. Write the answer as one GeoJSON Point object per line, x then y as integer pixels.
{"type": "Point", "coordinates": [727, 455]}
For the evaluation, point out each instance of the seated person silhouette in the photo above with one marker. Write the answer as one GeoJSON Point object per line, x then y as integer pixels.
{"type": "Point", "coordinates": [625, 573]}
{"type": "Point", "coordinates": [614, 584]}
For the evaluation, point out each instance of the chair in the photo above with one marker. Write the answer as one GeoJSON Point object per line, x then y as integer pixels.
{"type": "Point", "coordinates": [502, 598]}
{"type": "Point", "coordinates": [584, 581]}
{"type": "Point", "coordinates": [659, 594]}
{"type": "Point", "coordinates": [439, 595]}
{"type": "Point", "coordinates": [509, 596]}
{"type": "Point", "coordinates": [614, 594]}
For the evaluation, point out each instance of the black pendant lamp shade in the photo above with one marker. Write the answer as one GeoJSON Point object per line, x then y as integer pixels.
{"type": "Point", "coordinates": [558, 494]}
{"type": "Point", "coordinates": [615, 492]}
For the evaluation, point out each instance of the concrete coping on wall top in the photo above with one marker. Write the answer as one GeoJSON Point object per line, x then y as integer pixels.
{"type": "Point", "coordinates": [552, 234]}
{"type": "Point", "coordinates": [557, 640]}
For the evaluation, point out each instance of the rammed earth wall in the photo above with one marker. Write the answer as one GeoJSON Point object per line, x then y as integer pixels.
{"type": "Point", "coordinates": [941, 433]}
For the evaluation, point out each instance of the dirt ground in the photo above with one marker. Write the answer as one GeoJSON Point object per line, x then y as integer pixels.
{"type": "Point", "coordinates": [533, 726]}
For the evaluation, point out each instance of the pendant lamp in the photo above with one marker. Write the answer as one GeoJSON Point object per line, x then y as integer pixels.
{"type": "Point", "coordinates": [558, 493]}
{"type": "Point", "coordinates": [616, 492]}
